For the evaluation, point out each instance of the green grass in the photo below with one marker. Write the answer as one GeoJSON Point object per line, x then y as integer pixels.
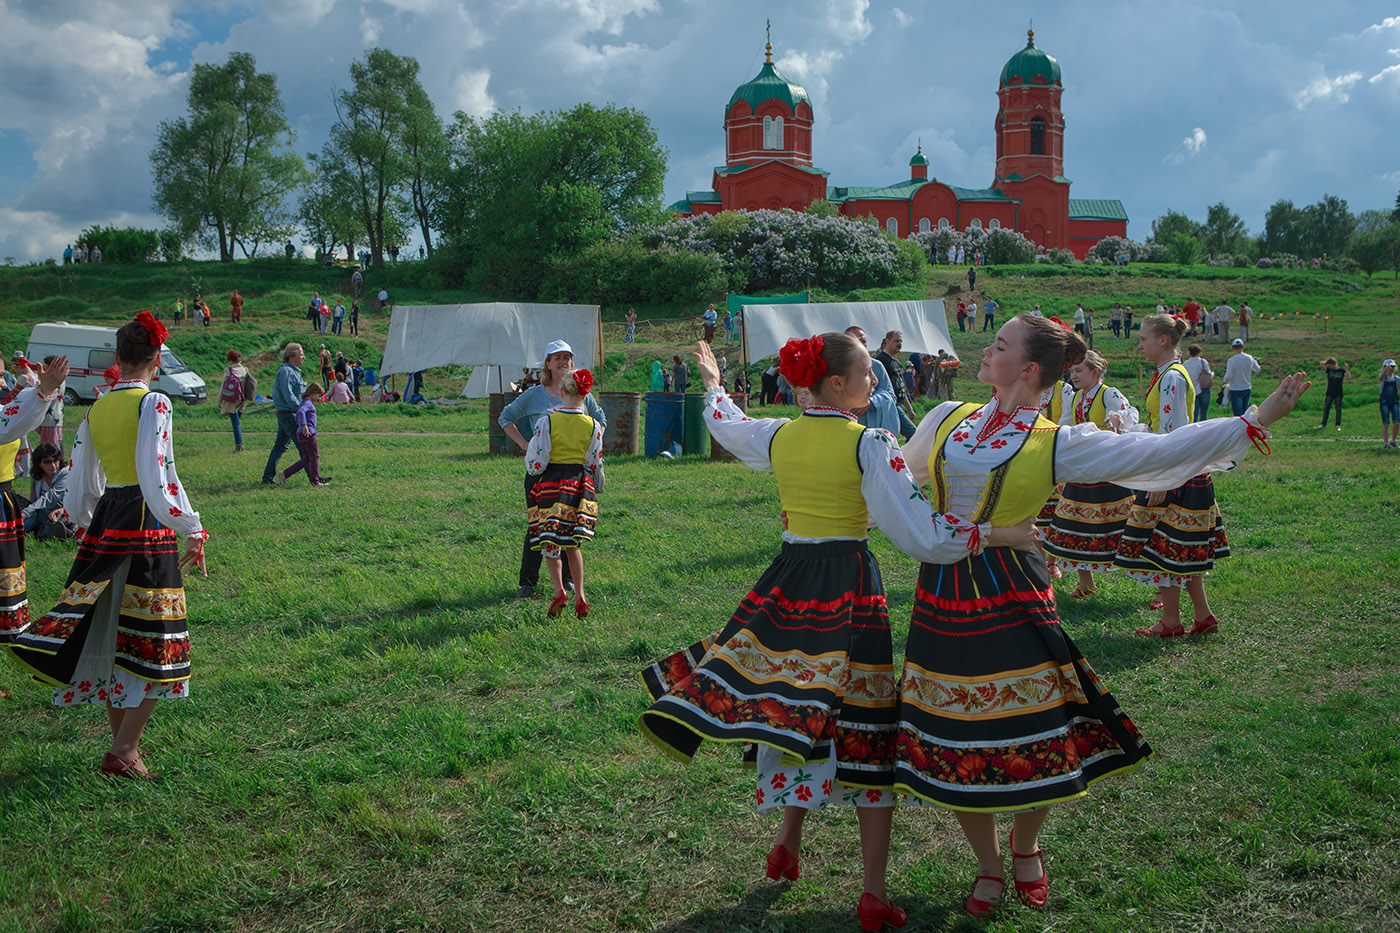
{"type": "Point", "coordinates": [380, 739]}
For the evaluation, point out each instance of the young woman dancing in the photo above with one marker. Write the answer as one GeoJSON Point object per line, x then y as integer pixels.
{"type": "Point", "coordinates": [118, 635]}
{"type": "Point", "coordinates": [804, 667]}
{"type": "Point", "coordinates": [999, 711]}
{"type": "Point", "coordinates": [1089, 518]}
{"type": "Point", "coordinates": [564, 455]}
{"type": "Point", "coordinates": [1173, 537]}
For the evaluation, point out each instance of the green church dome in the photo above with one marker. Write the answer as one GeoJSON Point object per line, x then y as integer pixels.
{"type": "Point", "coordinates": [919, 157]}
{"type": "Point", "coordinates": [1031, 63]}
{"type": "Point", "coordinates": [767, 85]}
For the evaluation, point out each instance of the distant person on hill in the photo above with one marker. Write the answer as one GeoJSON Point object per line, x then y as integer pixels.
{"type": "Point", "coordinates": [1224, 316]}
{"type": "Point", "coordinates": [1128, 321]}
{"type": "Point", "coordinates": [205, 314]}
{"type": "Point", "coordinates": [709, 318]}
{"type": "Point", "coordinates": [235, 308]}
{"type": "Point", "coordinates": [179, 311]}
{"type": "Point", "coordinates": [338, 316]}
{"type": "Point", "coordinates": [631, 325]}
{"type": "Point", "coordinates": [741, 383]}
{"type": "Point", "coordinates": [768, 385]}
{"type": "Point", "coordinates": [313, 312]}
{"type": "Point", "coordinates": [340, 393]}
{"type": "Point", "coordinates": [95, 255]}
{"type": "Point", "coordinates": [306, 441]}
{"type": "Point", "coordinates": [325, 364]}
{"type": "Point", "coordinates": [68, 254]}
{"type": "Point", "coordinates": [1336, 376]}
{"type": "Point", "coordinates": [1239, 372]}
{"type": "Point", "coordinates": [355, 318]}
{"type": "Point", "coordinates": [1202, 378]}
{"type": "Point", "coordinates": [290, 250]}
{"type": "Point", "coordinates": [1390, 404]}
{"type": "Point", "coordinates": [357, 283]}
{"type": "Point", "coordinates": [989, 314]}
{"type": "Point", "coordinates": [1246, 316]}
{"type": "Point", "coordinates": [286, 399]}
{"type": "Point", "coordinates": [961, 255]}
{"type": "Point", "coordinates": [658, 376]}
{"type": "Point", "coordinates": [971, 279]}
{"type": "Point", "coordinates": [666, 380]}
{"type": "Point", "coordinates": [383, 298]}
{"type": "Point", "coordinates": [962, 315]}
{"type": "Point", "coordinates": [235, 391]}
{"type": "Point", "coordinates": [680, 374]}
{"type": "Point", "coordinates": [1115, 319]}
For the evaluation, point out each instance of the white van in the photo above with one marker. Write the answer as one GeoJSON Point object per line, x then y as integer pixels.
{"type": "Point", "coordinates": [90, 350]}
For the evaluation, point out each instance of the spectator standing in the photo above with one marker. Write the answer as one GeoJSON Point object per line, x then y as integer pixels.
{"type": "Point", "coordinates": [338, 316]}
{"type": "Point", "coordinates": [1390, 404]}
{"type": "Point", "coordinates": [1128, 321]}
{"type": "Point", "coordinates": [888, 357]}
{"type": "Point", "coordinates": [205, 315]}
{"type": "Point", "coordinates": [1089, 326]}
{"type": "Point", "coordinates": [383, 298]}
{"type": "Point", "coordinates": [1336, 376]}
{"type": "Point", "coordinates": [709, 318]}
{"type": "Point", "coordinates": [235, 308]}
{"type": "Point", "coordinates": [1192, 310]}
{"type": "Point", "coordinates": [324, 317]}
{"type": "Point", "coordinates": [1246, 316]}
{"type": "Point", "coordinates": [989, 314]}
{"type": "Point", "coordinates": [355, 317]}
{"type": "Point", "coordinates": [666, 380]}
{"type": "Point", "coordinates": [306, 441]}
{"type": "Point", "coordinates": [631, 326]}
{"type": "Point", "coordinates": [1115, 319]}
{"type": "Point", "coordinates": [768, 385]}
{"type": "Point", "coordinates": [286, 399]}
{"type": "Point", "coordinates": [96, 255]}
{"type": "Point", "coordinates": [237, 388]}
{"type": "Point", "coordinates": [290, 250]}
{"type": "Point", "coordinates": [961, 256]}
{"type": "Point", "coordinates": [1224, 316]}
{"type": "Point", "coordinates": [1239, 373]}
{"type": "Point", "coordinates": [313, 312]}
{"type": "Point", "coordinates": [68, 255]}
{"type": "Point", "coordinates": [952, 255]}
{"type": "Point", "coordinates": [324, 360]}
{"type": "Point", "coordinates": [680, 375]}
{"type": "Point", "coordinates": [1202, 378]}
{"type": "Point", "coordinates": [179, 311]}
{"type": "Point", "coordinates": [971, 277]}
{"type": "Point", "coordinates": [357, 378]}
{"type": "Point", "coordinates": [962, 315]}
{"type": "Point", "coordinates": [357, 283]}
{"type": "Point", "coordinates": [1079, 319]}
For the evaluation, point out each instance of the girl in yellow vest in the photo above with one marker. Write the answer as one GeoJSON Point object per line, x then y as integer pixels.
{"type": "Point", "coordinates": [999, 711]}
{"type": "Point", "coordinates": [565, 453]}
{"type": "Point", "coordinates": [21, 413]}
{"type": "Point", "coordinates": [118, 636]}
{"type": "Point", "coordinates": [1173, 537]}
{"type": "Point", "coordinates": [1057, 401]}
{"type": "Point", "coordinates": [804, 667]}
{"type": "Point", "coordinates": [1089, 518]}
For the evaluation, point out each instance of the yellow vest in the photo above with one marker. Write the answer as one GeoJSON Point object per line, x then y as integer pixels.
{"type": "Point", "coordinates": [1018, 488]}
{"type": "Point", "coordinates": [1098, 412]}
{"type": "Point", "coordinates": [1154, 396]}
{"type": "Point", "coordinates": [7, 461]}
{"type": "Point", "coordinates": [816, 461]}
{"type": "Point", "coordinates": [570, 434]}
{"type": "Point", "coordinates": [112, 422]}
{"type": "Point", "coordinates": [1056, 406]}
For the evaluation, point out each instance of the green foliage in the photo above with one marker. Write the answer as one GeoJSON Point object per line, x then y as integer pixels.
{"type": "Point", "coordinates": [1060, 257]}
{"type": "Point", "coordinates": [131, 244]}
{"type": "Point", "coordinates": [1184, 248]}
{"type": "Point", "coordinates": [1171, 223]}
{"type": "Point", "coordinates": [222, 174]}
{"type": "Point", "coordinates": [821, 207]}
{"type": "Point", "coordinates": [522, 189]}
{"type": "Point", "coordinates": [1007, 247]}
{"type": "Point", "coordinates": [617, 272]}
{"type": "Point", "coordinates": [1223, 231]}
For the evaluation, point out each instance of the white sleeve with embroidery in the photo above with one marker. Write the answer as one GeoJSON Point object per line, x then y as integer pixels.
{"type": "Point", "coordinates": [24, 414]}
{"type": "Point", "coordinates": [744, 437]}
{"type": "Point", "coordinates": [86, 480]}
{"type": "Point", "coordinates": [900, 510]}
{"type": "Point", "coordinates": [22, 458]}
{"type": "Point", "coordinates": [1175, 412]}
{"type": "Point", "coordinates": [1115, 401]}
{"type": "Point", "coordinates": [1154, 462]}
{"type": "Point", "coordinates": [538, 450]}
{"type": "Point", "coordinates": [920, 445]}
{"type": "Point", "coordinates": [155, 468]}
{"type": "Point", "coordinates": [594, 456]}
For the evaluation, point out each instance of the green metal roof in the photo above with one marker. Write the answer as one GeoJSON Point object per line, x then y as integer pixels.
{"type": "Point", "coordinates": [1096, 209]}
{"type": "Point", "coordinates": [723, 170]}
{"type": "Point", "coordinates": [900, 191]}
{"type": "Point", "coordinates": [979, 194]}
{"type": "Point", "coordinates": [1030, 64]}
{"type": "Point", "coordinates": [769, 85]}
{"type": "Point", "coordinates": [919, 157]}
{"type": "Point", "coordinates": [680, 207]}
{"type": "Point", "coordinates": [703, 197]}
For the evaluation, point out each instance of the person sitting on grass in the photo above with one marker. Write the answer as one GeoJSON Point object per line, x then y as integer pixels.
{"type": "Point", "coordinates": [565, 454]}
{"type": "Point", "coordinates": [340, 393]}
{"type": "Point", "coordinates": [306, 441]}
{"type": "Point", "coordinates": [44, 516]}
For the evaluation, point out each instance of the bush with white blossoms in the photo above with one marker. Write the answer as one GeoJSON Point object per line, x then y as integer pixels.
{"type": "Point", "coordinates": [1111, 247]}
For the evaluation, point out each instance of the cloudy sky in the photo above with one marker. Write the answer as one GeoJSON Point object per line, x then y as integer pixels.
{"type": "Point", "coordinates": [1169, 104]}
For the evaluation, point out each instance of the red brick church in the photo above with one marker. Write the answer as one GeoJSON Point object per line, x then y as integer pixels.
{"type": "Point", "coordinates": [768, 164]}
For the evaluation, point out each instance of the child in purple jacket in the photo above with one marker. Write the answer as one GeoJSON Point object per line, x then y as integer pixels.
{"type": "Point", "coordinates": [306, 440]}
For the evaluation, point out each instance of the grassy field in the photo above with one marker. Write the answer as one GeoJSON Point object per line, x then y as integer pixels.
{"type": "Point", "coordinates": [381, 739]}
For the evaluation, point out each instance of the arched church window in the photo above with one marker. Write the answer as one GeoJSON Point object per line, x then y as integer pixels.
{"type": "Point", "coordinates": [1037, 136]}
{"type": "Point", "coordinates": [994, 224]}
{"type": "Point", "coordinates": [923, 225]}
{"type": "Point", "coordinates": [976, 224]}
{"type": "Point", "coordinates": [772, 132]}
{"type": "Point", "coordinates": [892, 226]}
{"type": "Point", "coordinates": [943, 223]}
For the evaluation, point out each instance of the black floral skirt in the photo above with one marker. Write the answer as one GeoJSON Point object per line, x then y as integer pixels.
{"type": "Point", "coordinates": [1185, 535]}
{"type": "Point", "coordinates": [561, 507]}
{"type": "Point", "coordinates": [998, 710]}
{"type": "Point", "coordinates": [14, 597]}
{"type": "Point", "coordinates": [1088, 524]}
{"type": "Point", "coordinates": [804, 662]}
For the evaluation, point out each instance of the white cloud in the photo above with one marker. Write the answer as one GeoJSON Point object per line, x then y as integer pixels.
{"type": "Point", "coordinates": [1191, 147]}
{"type": "Point", "coordinates": [603, 15]}
{"type": "Point", "coordinates": [1390, 22]}
{"type": "Point", "coordinates": [1389, 176]}
{"type": "Point", "coordinates": [846, 18]}
{"type": "Point", "coordinates": [901, 17]}
{"type": "Point", "coordinates": [369, 31]}
{"type": "Point", "coordinates": [813, 71]}
{"type": "Point", "coordinates": [469, 93]}
{"type": "Point", "coordinates": [1383, 74]}
{"type": "Point", "coordinates": [1323, 87]}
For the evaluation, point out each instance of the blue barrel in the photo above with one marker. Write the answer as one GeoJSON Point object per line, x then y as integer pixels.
{"type": "Point", "coordinates": [371, 377]}
{"type": "Point", "coordinates": [663, 422]}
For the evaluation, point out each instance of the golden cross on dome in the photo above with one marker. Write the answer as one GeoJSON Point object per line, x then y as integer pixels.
{"type": "Point", "coordinates": [768, 48]}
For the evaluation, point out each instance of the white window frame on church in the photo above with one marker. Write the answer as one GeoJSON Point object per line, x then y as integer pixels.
{"type": "Point", "coordinates": [892, 226]}
{"type": "Point", "coordinates": [772, 132]}
{"type": "Point", "coordinates": [994, 224]}
{"type": "Point", "coordinates": [976, 224]}
{"type": "Point", "coordinates": [943, 223]}
{"type": "Point", "coordinates": [923, 225]}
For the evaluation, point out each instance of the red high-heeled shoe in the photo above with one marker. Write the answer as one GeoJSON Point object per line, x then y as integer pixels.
{"type": "Point", "coordinates": [1032, 893]}
{"type": "Point", "coordinates": [580, 608]}
{"type": "Point", "coordinates": [875, 914]}
{"type": "Point", "coordinates": [1207, 626]}
{"type": "Point", "coordinates": [978, 908]}
{"type": "Point", "coordinates": [783, 864]}
{"type": "Point", "coordinates": [561, 599]}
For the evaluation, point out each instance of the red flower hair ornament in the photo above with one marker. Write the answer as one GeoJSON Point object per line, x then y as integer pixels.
{"type": "Point", "coordinates": [584, 380]}
{"type": "Point", "coordinates": [801, 363]}
{"type": "Point", "coordinates": [155, 330]}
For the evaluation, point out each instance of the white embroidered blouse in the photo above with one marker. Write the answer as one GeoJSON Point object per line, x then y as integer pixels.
{"type": "Point", "coordinates": [1114, 402]}
{"type": "Point", "coordinates": [893, 500]}
{"type": "Point", "coordinates": [538, 451]}
{"type": "Point", "coordinates": [23, 414]}
{"type": "Point", "coordinates": [155, 469]}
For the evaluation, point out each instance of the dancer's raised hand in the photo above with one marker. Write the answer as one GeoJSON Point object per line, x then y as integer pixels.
{"type": "Point", "coordinates": [705, 362]}
{"type": "Point", "coordinates": [1283, 399]}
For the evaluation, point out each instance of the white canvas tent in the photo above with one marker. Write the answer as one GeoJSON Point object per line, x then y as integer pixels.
{"type": "Point", "coordinates": [499, 334]}
{"type": "Point", "coordinates": [487, 380]}
{"type": "Point", "coordinates": [923, 323]}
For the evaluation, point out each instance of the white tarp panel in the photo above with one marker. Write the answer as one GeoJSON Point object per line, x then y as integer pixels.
{"type": "Point", "coordinates": [496, 334]}
{"type": "Point", "coordinates": [488, 380]}
{"type": "Point", "coordinates": [923, 323]}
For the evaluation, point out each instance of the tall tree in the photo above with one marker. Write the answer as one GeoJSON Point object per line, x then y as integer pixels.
{"type": "Point", "coordinates": [1283, 229]}
{"type": "Point", "coordinates": [327, 212]}
{"type": "Point", "coordinates": [425, 150]}
{"type": "Point", "coordinates": [1395, 214]}
{"type": "Point", "coordinates": [367, 140]}
{"type": "Point", "coordinates": [1329, 225]}
{"type": "Point", "coordinates": [1371, 221]}
{"type": "Point", "coordinates": [1173, 222]}
{"type": "Point", "coordinates": [1223, 230]}
{"type": "Point", "coordinates": [223, 173]}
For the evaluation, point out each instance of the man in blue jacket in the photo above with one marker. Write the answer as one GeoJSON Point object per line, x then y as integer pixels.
{"type": "Point", "coordinates": [286, 396]}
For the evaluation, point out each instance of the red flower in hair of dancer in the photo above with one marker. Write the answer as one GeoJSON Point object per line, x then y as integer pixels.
{"type": "Point", "coordinates": [584, 380]}
{"type": "Point", "coordinates": [155, 330]}
{"type": "Point", "coordinates": [801, 363]}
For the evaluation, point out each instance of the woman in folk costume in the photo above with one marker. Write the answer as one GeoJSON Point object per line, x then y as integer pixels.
{"type": "Point", "coordinates": [1173, 537]}
{"type": "Point", "coordinates": [804, 667]}
{"type": "Point", "coordinates": [999, 711]}
{"type": "Point", "coordinates": [118, 634]}
{"type": "Point", "coordinates": [1058, 400]}
{"type": "Point", "coordinates": [19, 414]}
{"type": "Point", "coordinates": [1089, 519]}
{"type": "Point", "coordinates": [564, 455]}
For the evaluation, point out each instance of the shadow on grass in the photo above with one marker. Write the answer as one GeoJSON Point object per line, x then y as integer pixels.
{"type": "Point", "coordinates": [431, 623]}
{"type": "Point", "coordinates": [753, 912]}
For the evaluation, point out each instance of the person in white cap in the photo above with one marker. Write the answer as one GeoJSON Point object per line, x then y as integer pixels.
{"type": "Point", "coordinates": [1390, 404]}
{"type": "Point", "coordinates": [532, 405]}
{"type": "Point", "coordinates": [1238, 373]}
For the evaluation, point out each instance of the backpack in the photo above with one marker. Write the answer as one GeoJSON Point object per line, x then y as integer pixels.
{"type": "Point", "coordinates": [232, 389]}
